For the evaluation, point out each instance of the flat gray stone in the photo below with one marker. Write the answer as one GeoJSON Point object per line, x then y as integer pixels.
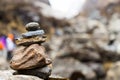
{"type": "Point", "coordinates": [33, 33]}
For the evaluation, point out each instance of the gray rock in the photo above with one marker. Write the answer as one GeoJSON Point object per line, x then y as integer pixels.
{"type": "Point", "coordinates": [98, 68]}
{"type": "Point", "coordinates": [24, 77]}
{"type": "Point", "coordinates": [32, 26]}
{"type": "Point", "coordinates": [44, 72]}
{"type": "Point", "coordinates": [33, 33]}
{"type": "Point", "coordinates": [67, 67]}
{"type": "Point", "coordinates": [8, 75]}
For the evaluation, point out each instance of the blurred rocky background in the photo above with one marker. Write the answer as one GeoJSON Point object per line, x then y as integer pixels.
{"type": "Point", "coordinates": [84, 47]}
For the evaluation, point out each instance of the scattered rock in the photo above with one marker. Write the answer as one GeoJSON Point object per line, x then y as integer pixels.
{"type": "Point", "coordinates": [66, 67]}
{"type": "Point", "coordinates": [114, 72]}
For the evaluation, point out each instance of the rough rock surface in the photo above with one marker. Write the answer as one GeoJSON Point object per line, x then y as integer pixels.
{"type": "Point", "coordinates": [24, 77]}
{"type": "Point", "coordinates": [8, 75]}
{"type": "Point", "coordinates": [67, 68]}
{"type": "Point", "coordinates": [28, 58]}
{"type": "Point", "coordinates": [114, 72]}
{"type": "Point", "coordinates": [26, 42]}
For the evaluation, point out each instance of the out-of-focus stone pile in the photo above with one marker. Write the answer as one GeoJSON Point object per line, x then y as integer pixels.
{"type": "Point", "coordinates": [86, 49]}
{"type": "Point", "coordinates": [90, 46]}
{"type": "Point", "coordinates": [22, 12]}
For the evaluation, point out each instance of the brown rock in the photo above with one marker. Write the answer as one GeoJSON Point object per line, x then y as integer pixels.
{"type": "Point", "coordinates": [29, 58]}
{"type": "Point", "coordinates": [29, 41]}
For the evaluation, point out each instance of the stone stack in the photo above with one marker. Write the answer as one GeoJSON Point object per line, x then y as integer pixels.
{"type": "Point", "coordinates": [29, 57]}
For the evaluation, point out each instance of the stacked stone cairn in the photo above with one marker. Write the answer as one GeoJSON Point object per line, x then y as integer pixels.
{"type": "Point", "coordinates": [29, 58]}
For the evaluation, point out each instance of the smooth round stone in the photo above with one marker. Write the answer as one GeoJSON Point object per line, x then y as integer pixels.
{"type": "Point", "coordinates": [32, 26]}
{"type": "Point", "coordinates": [33, 33]}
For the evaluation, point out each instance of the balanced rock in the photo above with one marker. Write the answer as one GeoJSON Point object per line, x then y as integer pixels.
{"type": "Point", "coordinates": [32, 26]}
{"type": "Point", "coordinates": [29, 57]}
{"type": "Point", "coordinates": [33, 33]}
{"type": "Point", "coordinates": [33, 36]}
{"type": "Point", "coordinates": [32, 40]}
{"type": "Point", "coordinates": [43, 73]}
